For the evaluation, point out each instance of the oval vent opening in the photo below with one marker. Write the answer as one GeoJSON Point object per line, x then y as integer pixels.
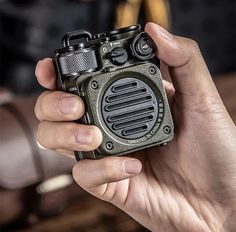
{"type": "Point", "coordinates": [129, 108]}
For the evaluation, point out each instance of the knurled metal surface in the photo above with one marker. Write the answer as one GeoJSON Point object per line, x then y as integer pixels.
{"type": "Point", "coordinates": [78, 62]}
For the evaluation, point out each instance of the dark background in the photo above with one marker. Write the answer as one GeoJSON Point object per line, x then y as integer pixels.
{"type": "Point", "coordinates": [212, 24]}
{"type": "Point", "coordinates": [31, 30]}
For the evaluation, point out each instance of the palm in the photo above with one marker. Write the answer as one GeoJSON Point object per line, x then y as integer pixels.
{"type": "Point", "coordinates": [173, 177]}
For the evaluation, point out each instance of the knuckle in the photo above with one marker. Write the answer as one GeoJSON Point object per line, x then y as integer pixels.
{"type": "Point", "coordinates": [49, 135]}
{"type": "Point", "coordinates": [39, 109]}
{"type": "Point", "coordinates": [40, 134]}
{"type": "Point", "coordinates": [79, 176]}
{"type": "Point", "coordinates": [64, 136]}
{"type": "Point", "coordinates": [54, 135]}
{"type": "Point", "coordinates": [76, 173]}
{"type": "Point", "coordinates": [193, 45]}
{"type": "Point", "coordinates": [61, 136]}
{"type": "Point", "coordinates": [111, 169]}
{"type": "Point", "coordinates": [108, 169]}
{"type": "Point", "coordinates": [36, 111]}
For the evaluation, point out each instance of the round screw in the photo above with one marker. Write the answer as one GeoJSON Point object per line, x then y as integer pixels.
{"type": "Point", "coordinates": [167, 130]}
{"type": "Point", "coordinates": [152, 70]}
{"type": "Point", "coordinates": [109, 145]}
{"type": "Point", "coordinates": [94, 85]}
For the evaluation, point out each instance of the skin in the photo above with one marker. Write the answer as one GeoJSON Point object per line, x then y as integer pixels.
{"type": "Point", "coordinates": [188, 185]}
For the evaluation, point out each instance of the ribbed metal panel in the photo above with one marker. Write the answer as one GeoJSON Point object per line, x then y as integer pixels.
{"type": "Point", "coordinates": [130, 108]}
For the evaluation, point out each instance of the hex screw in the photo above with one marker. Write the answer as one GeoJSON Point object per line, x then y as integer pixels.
{"type": "Point", "coordinates": [94, 85]}
{"type": "Point", "coordinates": [167, 130]}
{"type": "Point", "coordinates": [152, 70]}
{"type": "Point", "coordinates": [109, 145]}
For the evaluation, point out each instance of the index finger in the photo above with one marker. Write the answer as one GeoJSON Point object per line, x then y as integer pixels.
{"type": "Point", "coordinates": [45, 73]}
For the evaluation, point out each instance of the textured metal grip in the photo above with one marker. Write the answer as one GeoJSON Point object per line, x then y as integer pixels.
{"type": "Point", "coordinates": [72, 63]}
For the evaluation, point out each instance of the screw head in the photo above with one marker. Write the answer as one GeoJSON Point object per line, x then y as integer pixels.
{"type": "Point", "coordinates": [167, 130]}
{"type": "Point", "coordinates": [109, 145]}
{"type": "Point", "coordinates": [94, 85]}
{"type": "Point", "coordinates": [152, 70]}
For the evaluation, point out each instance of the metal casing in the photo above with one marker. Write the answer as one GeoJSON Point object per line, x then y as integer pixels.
{"type": "Point", "coordinates": [92, 85]}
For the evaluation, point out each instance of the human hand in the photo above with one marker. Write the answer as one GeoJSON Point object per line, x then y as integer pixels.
{"type": "Point", "coordinates": [188, 185]}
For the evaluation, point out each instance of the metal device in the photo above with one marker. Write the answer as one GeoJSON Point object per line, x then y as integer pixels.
{"type": "Point", "coordinates": [117, 75]}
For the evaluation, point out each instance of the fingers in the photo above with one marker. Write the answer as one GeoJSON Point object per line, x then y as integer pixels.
{"type": "Point", "coordinates": [189, 73]}
{"type": "Point", "coordinates": [68, 136]}
{"type": "Point", "coordinates": [59, 106]}
{"type": "Point", "coordinates": [45, 73]}
{"type": "Point", "coordinates": [92, 174]}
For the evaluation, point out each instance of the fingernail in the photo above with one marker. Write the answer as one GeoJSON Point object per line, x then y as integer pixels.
{"type": "Point", "coordinates": [165, 34]}
{"type": "Point", "coordinates": [84, 136]}
{"type": "Point", "coordinates": [68, 105]}
{"type": "Point", "coordinates": [132, 166]}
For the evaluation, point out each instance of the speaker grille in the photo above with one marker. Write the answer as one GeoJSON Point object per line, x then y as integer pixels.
{"type": "Point", "coordinates": [129, 108]}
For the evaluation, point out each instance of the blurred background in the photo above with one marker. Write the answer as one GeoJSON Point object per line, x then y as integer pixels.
{"type": "Point", "coordinates": [37, 192]}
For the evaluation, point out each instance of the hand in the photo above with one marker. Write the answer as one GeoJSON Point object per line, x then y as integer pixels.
{"type": "Point", "coordinates": [188, 185]}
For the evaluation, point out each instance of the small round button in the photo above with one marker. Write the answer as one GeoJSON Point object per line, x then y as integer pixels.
{"type": "Point", "coordinates": [144, 47]}
{"type": "Point", "coordinates": [119, 56]}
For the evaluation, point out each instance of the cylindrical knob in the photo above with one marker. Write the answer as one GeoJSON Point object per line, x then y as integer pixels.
{"type": "Point", "coordinates": [143, 47]}
{"type": "Point", "coordinates": [118, 56]}
{"type": "Point", "coordinates": [78, 61]}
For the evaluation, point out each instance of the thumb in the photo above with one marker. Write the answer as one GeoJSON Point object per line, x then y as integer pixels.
{"type": "Point", "coordinates": [189, 73]}
{"type": "Point", "coordinates": [95, 175]}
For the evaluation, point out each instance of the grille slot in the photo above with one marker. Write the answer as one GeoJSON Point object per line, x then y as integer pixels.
{"type": "Point", "coordinates": [122, 125]}
{"type": "Point", "coordinates": [115, 97]}
{"type": "Point", "coordinates": [124, 86]}
{"type": "Point", "coordinates": [125, 104]}
{"type": "Point", "coordinates": [129, 108]}
{"type": "Point", "coordinates": [135, 130]}
{"type": "Point", "coordinates": [130, 114]}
